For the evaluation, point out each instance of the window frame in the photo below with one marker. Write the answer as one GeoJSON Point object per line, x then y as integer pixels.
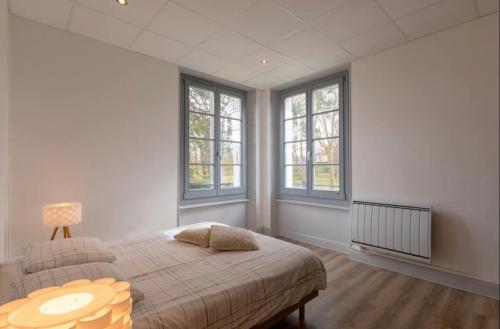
{"type": "Point", "coordinates": [308, 194]}
{"type": "Point", "coordinates": [217, 193]}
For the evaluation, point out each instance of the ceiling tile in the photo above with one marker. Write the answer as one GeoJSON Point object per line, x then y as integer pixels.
{"type": "Point", "coordinates": [487, 7]}
{"type": "Point", "coordinates": [291, 71]}
{"type": "Point", "coordinates": [399, 8]}
{"type": "Point", "coordinates": [236, 73]}
{"type": "Point", "coordinates": [102, 27]}
{"type": "Point", "coordinates": [221, 10]}
{"type": "Point", "coordinates": [183, 24]}
{"type": "Point", "coordinates": [155, 45]}
{"type": "Point", "coordinates": [311, 9]}
{"type": "Point", "coordinates": [313, 49]}
{"type": "Point", "coordinates": [274, 60]}
{"type": "Point", "coordinates": [266, 22]}
{"type": "Point", "coordinates": [263, 82]}
{"type": "Point", "coordinates": [201, 61]}
{"type": "Point", "coordinates": [356, 17]}
{"type": "Point", "coordinates": [228, 44]}
{"type": "Point", "coordinates": [381, 38]}
{"type": "Point", "coordinates": [51, 12]}
{"type": "Point", "coordinates": [135, 12]}
{"type": "Point", "coordinates": [437, 17]}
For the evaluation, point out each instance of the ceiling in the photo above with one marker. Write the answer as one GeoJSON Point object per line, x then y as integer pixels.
{"type": "Point", "coordinates": [227, 39]}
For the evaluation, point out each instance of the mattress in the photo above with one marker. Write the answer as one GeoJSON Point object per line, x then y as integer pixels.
{"type": "Point", "coordinates": [189, 287]}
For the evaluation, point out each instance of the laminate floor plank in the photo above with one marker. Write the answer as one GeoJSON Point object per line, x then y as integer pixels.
{"type": "Point", "coordinates": [360, 296]}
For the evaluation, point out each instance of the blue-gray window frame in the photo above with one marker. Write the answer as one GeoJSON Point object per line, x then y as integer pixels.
{"type": "Point", "coordinates": [340, 198]}
{"type": "Point", "coordinates": [217, 193]}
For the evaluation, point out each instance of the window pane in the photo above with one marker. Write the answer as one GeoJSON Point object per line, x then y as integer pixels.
{"type": "Point", "coordinates": [230, 106]}
{"type": "Point", "coordinates": [326, 150]}
{"type": "Point", "coordinates": [295, 129]}
{"type": "Point", "coordinates": [201, 125]}
{"type": "Point", "coordinates": [230, 153]}
{"type": "Point", "coordinates": [201, 177]}
{"type": "Point", "coordinates": [295, 177]}
{"type": "Point", "coordinates": [201, 100]}
{"type": "Point", "coordinates": [295, 106]}
{"type": "Point", "coordinates": [326, 99]}
{"type": "Point", "coordinates": [326, 177]}
{"type": "Point", "coordinates": [230, 130]}
{"type": "Point", "coordinates": [326, 125]}
{"type": "Point", "coordinates": [295, 153]}
{"type": "Point", "coordinates": [201, 151]}
{"type": "Point", "coordinates": [230, 176]}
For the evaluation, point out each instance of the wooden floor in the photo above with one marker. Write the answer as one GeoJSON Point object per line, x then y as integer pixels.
{"type": "Point", "coordinates": [362, 296]}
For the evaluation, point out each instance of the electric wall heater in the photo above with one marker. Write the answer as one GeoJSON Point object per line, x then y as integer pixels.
{"type": "Point", "coordinates": [392, 230]}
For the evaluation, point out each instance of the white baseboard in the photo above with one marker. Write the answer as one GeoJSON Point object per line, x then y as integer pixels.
{"type": "Point", "coordinates": [446, 278]}
{"type": "Point", "coordinates": [267, 231]}
{"type": "Point", "coordinates": [316, 241]}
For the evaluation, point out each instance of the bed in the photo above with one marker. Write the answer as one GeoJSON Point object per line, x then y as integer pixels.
{"type": "Point", "coordinates": [189, 287]}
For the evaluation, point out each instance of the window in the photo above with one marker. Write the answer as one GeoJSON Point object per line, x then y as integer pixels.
{"type": "Point", "coordinates": [213, 141]}
{"type": "Point", "coordinates": [313, 140]}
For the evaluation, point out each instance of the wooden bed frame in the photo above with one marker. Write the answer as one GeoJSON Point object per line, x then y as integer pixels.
{"type": "Point", "coordinates": [301, 306]}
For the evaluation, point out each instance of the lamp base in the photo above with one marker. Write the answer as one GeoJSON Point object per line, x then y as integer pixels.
{"type": "Point", "coordinates": [66, 232]}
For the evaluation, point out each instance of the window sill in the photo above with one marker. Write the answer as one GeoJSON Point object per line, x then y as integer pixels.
{"type": "Point", "coordinates": [212, 204]}
{"type": "Point", "coordinates": [314, 204]}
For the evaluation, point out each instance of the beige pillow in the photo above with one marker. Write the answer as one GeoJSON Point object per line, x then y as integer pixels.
{"type": "Point", "coordinates": [199, 236]}
{"type": "Point", "coordinates": [232, 238]}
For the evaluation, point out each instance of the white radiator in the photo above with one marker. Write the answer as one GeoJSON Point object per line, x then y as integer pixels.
{"type": "Point", "coordinates": [394, 230]}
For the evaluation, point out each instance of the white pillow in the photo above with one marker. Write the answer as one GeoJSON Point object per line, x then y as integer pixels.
{"type": "Point", "coordinates": [63, 252]}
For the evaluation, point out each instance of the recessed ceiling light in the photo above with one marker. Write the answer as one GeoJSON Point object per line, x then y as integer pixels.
{"type": "Point", "coordinates": [264, 61]}
{"type": "Point", "coordinates": [122, 2]}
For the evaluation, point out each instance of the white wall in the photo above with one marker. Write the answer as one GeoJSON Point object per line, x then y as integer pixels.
{"type": "Point", "coordinates": [263, 157]}
{"type": "Point", "coordinates": [425, 131]}
{"type": "Point", "coordinates": [98, 124]}
{"type": "Point", "coordinates": [317, 225]}
{"type": "Point", "coordinates": [4, 125]}
{"type": "Point", "coordinates": [229, 214]}
{"type": "Point", "coordinates": [92, 123]}
{"type": "Point", "coordinates": [252, 160]}
{"type": "Point", "coordinates": [428, 127]}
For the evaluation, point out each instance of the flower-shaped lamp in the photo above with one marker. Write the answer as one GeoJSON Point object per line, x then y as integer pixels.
{"type": "Point", "coordinates": [81, 304]}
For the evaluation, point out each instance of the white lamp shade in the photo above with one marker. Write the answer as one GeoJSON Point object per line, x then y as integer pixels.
{"type": "Point", "coordinates": [62, 214]}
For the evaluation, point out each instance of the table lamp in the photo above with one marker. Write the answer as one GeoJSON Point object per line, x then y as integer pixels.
{"type": "Point", "coordinates": [62, 214]}
{"type": "Point", "coordinates": [80, 304]}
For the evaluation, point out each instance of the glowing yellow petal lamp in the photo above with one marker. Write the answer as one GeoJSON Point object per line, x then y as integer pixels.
{"type": "Point", "coordinates": [80, 304]}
